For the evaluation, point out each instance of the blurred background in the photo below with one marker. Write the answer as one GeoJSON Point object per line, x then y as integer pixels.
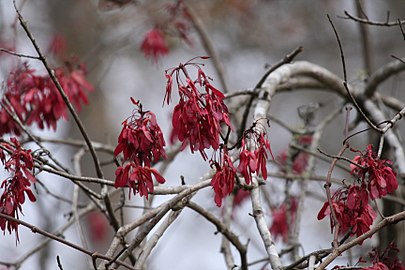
{"type": "Point", "coordinates": [248, 36]}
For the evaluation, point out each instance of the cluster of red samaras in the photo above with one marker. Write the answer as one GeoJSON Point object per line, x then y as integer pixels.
{"type": "Point", "coordinates": [375, 179]}
{"type": "Point", "coordinates": [19, 163]}
{"type": "Point", "coordinates": [197, 121]}
{"type": "Point", "coordinates": [141, 142]}
{"type": "Point", "coordinates": [35, 99]}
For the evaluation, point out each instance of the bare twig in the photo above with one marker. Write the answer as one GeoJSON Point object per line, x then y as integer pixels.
{"type": "Point", "coordinates": [61, 240]}
{"type": "Point", "coordinates": [340, 48]}
{"type": "Point", "coordinates": [19, 54]}
{"type": "Point", "coordinates": [59, 263]}
{"type": "Point", "coordinates": [386, 23]}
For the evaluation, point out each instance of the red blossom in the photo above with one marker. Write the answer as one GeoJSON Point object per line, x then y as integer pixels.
{"type": "Point", "coordinates": [353, 212]}
{"type": "Point", "coordinates": [154, 44]}
{"type": "Point", "coordinates": [141, 142]}
{"type": "Point", "coordinates": [141, 138]}
{"type": "Point", "coordinates": [35, 99]}
{"type": "Point", "coordinates": [379, 176]}
{"type": "Point", "coordinates": [254, 161]}
{"type": "Point", "coordinates": [198, 116]}
{"type": "Point", "coordinates": [223, 181]}
{"type": "Point", "coordinates": [280, 224]}
{"type": "Point", "coordinates": [247, 163]}
{"type": "Point", "coordinates": [20, 165]}
{"type": "Point", "coordinates": [137, 178]}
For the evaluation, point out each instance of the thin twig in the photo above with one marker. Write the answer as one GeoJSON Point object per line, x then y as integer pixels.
{"type": "Point", "coordinates": [61, 240]}
{"type": "Point", "coordinates": [19, 54]}
{"type": "Point", "coordinates": [59, 263]}
{"type": "Point", "coordinates": [340, 48]}
{"type": "Point", "coordinates": [387, 23]}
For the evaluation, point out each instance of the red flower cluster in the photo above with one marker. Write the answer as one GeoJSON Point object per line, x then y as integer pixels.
{"type": "Point", "coordinates": [387, 260]}
{"type": "Point", "coordinates": [20, 165]}
{"type": "Point", "coordinates": [254, 161]}
{"type": "Point", "coordinates": [35, 99]}
{"type": "Point", "coordinates": [223, 181]}
{"type": "Point", "coordinates": [141, 142]}
{"type": "Point", "coordinates": [154, 44]}
{"type": "Point", "coordinates": [279, 227]}
{"type": "Point", "coordinates": [350, 204]}
{"type": "Point", "coordinates": [375, 172]}
{"type": "Point", "coordinates": [198, 116]}
{"type": "Point", "coordinates": [353, 212]}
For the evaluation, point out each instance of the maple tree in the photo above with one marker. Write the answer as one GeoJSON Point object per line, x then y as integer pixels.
{"type": "Point", "coordinates": [232, 133]}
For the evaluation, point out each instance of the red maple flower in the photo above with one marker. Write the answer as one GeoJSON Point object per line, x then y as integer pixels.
{"type": "Point", "coordinates": [141, 139]}
{"type": "Point", "coordinates": [137, 178]}
{"type": "Point", "coordinates": [20, 165]}
{"type": "Point", "coordinates": [377, 173]}
{"type": "Point", "coordinates": [35, 99]}
{"type": "Point", "coordinates": [247, 163]}
{"type": "Point", "coordinates": [280, 224]}
{"type": "Point", "coordinates": [223, 181]}
{"type": "Point", "coordinates": [154, 44]}
{"type": "Point", "coordinates": [198, 116]}
{"type": "Point", "coordinates": [353, 212]}
{"type": "Point", "coordinates": [254, 161]}
{"type": "Point", "coordinates": [141, 142]}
